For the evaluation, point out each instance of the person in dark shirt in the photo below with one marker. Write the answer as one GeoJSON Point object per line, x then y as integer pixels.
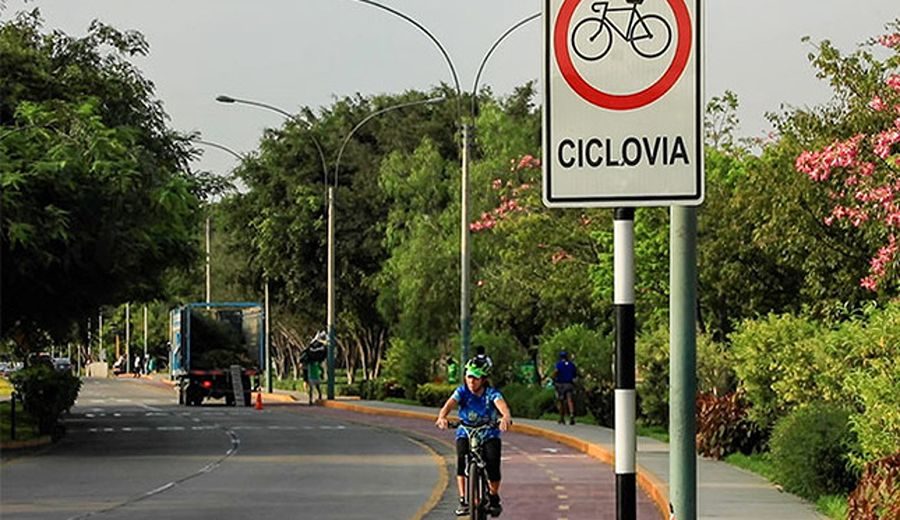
{"type": "Point", "coordinates": [564, 376]}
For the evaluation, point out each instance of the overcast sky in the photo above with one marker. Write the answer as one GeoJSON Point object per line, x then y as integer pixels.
{"type": "Point", "coordinates": [293, 53]}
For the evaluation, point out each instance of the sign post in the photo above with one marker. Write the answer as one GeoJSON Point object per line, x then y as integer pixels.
{"type": "Point", "coordinates": [623, 123]}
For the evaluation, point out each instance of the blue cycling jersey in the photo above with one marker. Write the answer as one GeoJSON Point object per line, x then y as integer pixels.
{"type": "Point", "coordinates": [475, 410]}
{"type": "Point", "coordinates": [565, 371]}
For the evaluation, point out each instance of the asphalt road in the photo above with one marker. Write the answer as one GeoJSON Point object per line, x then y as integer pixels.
{"type": "Point", "coordinates": [131, 453]}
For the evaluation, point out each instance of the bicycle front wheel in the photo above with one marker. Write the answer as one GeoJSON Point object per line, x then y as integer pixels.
{"type": "Point", "coordinates": [651, 36]}
{"type": "Point", "coordinates": [475, 496]}
{"type": "Point", "coordinates": [592, 39]}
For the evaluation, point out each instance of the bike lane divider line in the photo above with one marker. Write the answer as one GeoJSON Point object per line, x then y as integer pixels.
{"type": "Point", "coordinates": [431, 444]}
{"type": "Point", "coordinates": [655, 488]}
{"type": "Point", "coordinates": [437, 492]}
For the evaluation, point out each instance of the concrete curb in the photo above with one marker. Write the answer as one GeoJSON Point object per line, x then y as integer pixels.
{"type": "Point", "coordinates": [650, 483]}
{"type": "Point", "coordinates": [30, 443]}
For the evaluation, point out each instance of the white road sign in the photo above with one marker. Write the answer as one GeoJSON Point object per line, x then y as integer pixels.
{"type": "Point", "coordinates": [623, 103]}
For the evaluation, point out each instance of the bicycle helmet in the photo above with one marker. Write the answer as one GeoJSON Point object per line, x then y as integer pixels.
{"type": "Point", "coordinates": [475, 368]}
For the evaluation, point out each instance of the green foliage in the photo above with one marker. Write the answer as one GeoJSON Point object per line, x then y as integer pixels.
{"type": "Point", "coordinates": [767, 353]}
{"type": "Point", "coordinates": [592, 353]}
{"type": "Point", "coordinates": [26, 426]}
{"type": "Point", "coordinates": [374, 389]}
{"type": "Point", "coordinates": [46, 393]}
{"type": "Point", "coordinates": [529, 401]}
{"type": "Point", "coordinates": [97, 200]}
{"type": "Point", "coordinates": [759, 463]}
{"type": "Point", "coordinates": [505, 353]}
{"type": "Point", "coordinates": [871, 381]}
{"type": "Point", "coordinates": [434, 394]}
{"type": "Point", "coordinates": [410, 364]}
{"type": "Point", "coordinates": [833, 506]}
{"type": "Point", "coordinates": [714, 372]}
{"type": "Point", "coordinates": [877, 496]}
{"type": "Point", "coordinates": [723, 427]}
{"type": "Point", "coordinates": [810, 448]}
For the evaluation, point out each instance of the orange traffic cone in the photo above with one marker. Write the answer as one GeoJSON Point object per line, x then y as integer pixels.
{"type": "Point", "coordinates": [259, 405]}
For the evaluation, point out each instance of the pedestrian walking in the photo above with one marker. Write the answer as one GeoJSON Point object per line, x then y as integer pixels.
{"type": "Point", "coordinates": [314, 373]}
{"type": "Point", "coordinates": [137, 365]}
{"type": "Point", "coordinates": [564, 375]}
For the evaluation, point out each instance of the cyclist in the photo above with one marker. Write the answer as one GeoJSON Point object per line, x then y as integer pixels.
{"type": "Point", "coordinates": [478, 403]}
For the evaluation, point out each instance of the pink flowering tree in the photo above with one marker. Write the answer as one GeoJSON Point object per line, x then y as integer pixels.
{"type": "Point", "coordinates": [860, 166]}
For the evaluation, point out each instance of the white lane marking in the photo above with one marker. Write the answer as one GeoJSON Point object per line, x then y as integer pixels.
{"type": "Point", "coordinates": [282, 427]}
{"type": "Point", "coordinates": [160, 489]}
{"type": "Point", "coordinates": [170, 428]}
{"type": "Point", "coordinates": [550, 450]}
{"type": "Point", "coordinates": [90, 415]}
{"type": "Point", "coordinates": [126, 429]}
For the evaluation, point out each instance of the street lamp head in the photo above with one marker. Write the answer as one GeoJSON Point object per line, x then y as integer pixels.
{"type": "Point", "coordinates": [225, 99]}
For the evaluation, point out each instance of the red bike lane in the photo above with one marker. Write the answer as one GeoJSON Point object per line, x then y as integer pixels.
{"type": "Point", "coordinates": [542, 479]}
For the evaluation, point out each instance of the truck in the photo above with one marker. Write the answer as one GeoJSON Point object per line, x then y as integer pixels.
{"type": "Point", "coordinates": [217, 350]}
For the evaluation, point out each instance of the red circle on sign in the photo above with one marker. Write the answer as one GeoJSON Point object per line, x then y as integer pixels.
{"type": "Point", "coordinates": [617, 101]}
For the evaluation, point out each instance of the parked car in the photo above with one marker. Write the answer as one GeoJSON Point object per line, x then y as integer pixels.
{"type": "Point", "coordinates": [62, 364]}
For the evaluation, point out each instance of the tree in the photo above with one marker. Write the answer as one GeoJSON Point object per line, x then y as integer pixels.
{"type": "Point", "coordinates": [860, 164]}
{"type": "Point", "coordinates": [97, 199]}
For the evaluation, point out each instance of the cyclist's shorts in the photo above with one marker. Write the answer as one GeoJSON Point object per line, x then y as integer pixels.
{"type": "Point", "coordinates": [564, 389]}
{"type": "Point", "coordinates": [492, 449]}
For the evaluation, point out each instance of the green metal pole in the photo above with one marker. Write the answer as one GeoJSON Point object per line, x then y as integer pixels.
{"type": "Point", "coordinates": [683, 363]}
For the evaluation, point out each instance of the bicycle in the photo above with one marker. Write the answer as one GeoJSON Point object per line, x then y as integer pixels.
{"type": "Point", "coordinates": [649, 34]}
{"type": "Point", "coordinates": [476, 468]}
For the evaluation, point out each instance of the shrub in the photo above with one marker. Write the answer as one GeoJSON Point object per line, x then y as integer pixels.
{"type": "Point", "coordinates": [873, 384]}
{"type": "Point", "coordinates": [592, 352]}
{"type": "Point", "coordinates": [46, 394]}
{"type": "Point", "coordinates": [723, 427]}
{"type": "Point", "coordinates": [810, 450]}
{"type": "Point", "coordinates": [409, 363]}
{"type": "Point", "coordinates": [877, 496]}
{"type": "Point", "coordinates": [766, 353]}
{"type": "Point", "coordinates": [714, 373]}
{"type": "Point", "coordinates": [434, 394]}
{"type": "Point", "coordinates": [528, 400]}
{"type": "Point", "coordinates": [599, 402]}
{"type": "Point", "coordinates": [373, 389]}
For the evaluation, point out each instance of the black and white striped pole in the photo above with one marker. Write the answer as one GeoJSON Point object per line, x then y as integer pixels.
{"type": "Point", "coordinates": [625, 398]}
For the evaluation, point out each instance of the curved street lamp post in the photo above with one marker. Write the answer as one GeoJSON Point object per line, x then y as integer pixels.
{"type": "Point", "coordinates": [465, 322]}
{"type": "Point", "coordinates": [330, 211]}
{"type": "Point", "coordinates": [268, 344]}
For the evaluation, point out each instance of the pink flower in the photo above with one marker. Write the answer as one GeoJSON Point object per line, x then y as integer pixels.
{"type": "Point", "coordinates": [479, 283]}
{"type": "Point", "coordinates": [894, 82]}
{"type": "Point", "coordinates": [840, 154]}
{"type": "Point", "coordinates": [497, 184]}
{"type": "Point", "coordinates": [890, 40]}
{"type": "Point", "coordinates": [884, 141]}
{"type": "Point", "coordinates": [876, 104]}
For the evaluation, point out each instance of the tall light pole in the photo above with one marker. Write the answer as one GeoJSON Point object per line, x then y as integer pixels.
{"type": "Point", "coordinates": [465, 321]}
{"type": "Point", "coordinates": [291, 117]}
{"type": "Point", "coordinates": [331, 282]}
{"type": "Point", "coordinates": [267, 338]}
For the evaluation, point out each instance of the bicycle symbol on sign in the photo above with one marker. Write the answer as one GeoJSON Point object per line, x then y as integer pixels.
{"type": "Point", "coordinates": [649, 34]}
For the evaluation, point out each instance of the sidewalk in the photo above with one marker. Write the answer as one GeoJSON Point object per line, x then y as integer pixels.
{"type": "Point", "coordinates": [724, 491]}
